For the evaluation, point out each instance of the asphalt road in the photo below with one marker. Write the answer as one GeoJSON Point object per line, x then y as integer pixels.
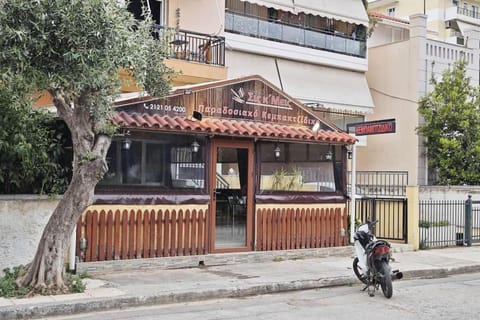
{"type": "Point", "coordinates": [456, 297]}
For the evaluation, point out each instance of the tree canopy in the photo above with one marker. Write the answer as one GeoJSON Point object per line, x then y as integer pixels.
{"type": "Point", "coordinates": [452, 127]}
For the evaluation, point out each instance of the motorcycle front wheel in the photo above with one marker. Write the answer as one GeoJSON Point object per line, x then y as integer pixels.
{"type": "Point", "coordinates": [359, 272]}
{"type": "Point", "coordinates": [386, 280]}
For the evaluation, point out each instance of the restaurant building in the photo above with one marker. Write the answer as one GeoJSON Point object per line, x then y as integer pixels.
{"type": "Point", "coordinates": [233, 165]}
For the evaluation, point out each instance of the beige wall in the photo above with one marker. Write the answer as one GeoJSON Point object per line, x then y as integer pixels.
{"type": "Point", "coordinates": [22, 220]}
{"type": "Point", "coordinates": [204, 16]}
{"type": "Point", "coordinates": [392, 80]}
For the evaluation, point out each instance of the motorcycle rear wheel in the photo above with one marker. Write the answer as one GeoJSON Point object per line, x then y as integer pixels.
{"type": "Point", "coordinates": [359, 271]}
{"type": "Point", "coordinates": [386, 280]}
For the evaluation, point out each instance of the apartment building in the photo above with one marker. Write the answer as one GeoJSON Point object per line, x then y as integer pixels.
{"type": "Point", "coordinates": [406, 49]}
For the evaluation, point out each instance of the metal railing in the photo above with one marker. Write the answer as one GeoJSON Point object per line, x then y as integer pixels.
{"type": "Point", "coordinates": [441, 223]}
{"type": "Point", "coordinates": [469, 13]}
{"type": "Point", "coordinates": [391, 213]}
{"type": "Point", "coordinates": [449, 222]}
{"type": "Point", "coordinates": [286, 33]}
{"type": "Point", "coordinates": [379, 183]}
{"type": "Point", "coordinates": [193, 46]}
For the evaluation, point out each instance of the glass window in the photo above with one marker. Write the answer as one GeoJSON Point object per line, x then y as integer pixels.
{"type": "Point", "coordinates": [391, 12]}
{"type": "Point", "coordinates": [167, 162]}
{"type": "Point", "coordinates": [299, 167]}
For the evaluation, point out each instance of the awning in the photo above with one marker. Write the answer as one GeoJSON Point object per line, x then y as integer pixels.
{"type": "Point", "coordinates": [351, 11]}
{"type": "Point", "coordinates": [331, 88]}
{"type": "Point", "coordinates": [465, 27]}
{"type": "Point", "coordinates": [228, 127]}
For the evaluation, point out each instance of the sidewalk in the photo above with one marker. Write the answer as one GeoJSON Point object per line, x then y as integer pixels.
{"type": "Point", "coordinates": [122, 289]}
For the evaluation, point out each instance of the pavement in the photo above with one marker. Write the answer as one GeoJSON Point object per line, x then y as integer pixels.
{"type": "Point", "coordinates": [118, 289]}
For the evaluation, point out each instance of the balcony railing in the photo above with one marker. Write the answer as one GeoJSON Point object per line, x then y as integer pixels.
{"type": "Point", "coordinates": [193, 46]}
{"type": "Point", "coordinates": [469, 13]}
{"type": "Point", "coordinates": [305, 37]}
{"type": "Point", "coordinates": [379, 183]}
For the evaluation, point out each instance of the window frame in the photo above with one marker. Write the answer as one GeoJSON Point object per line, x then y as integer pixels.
{"type": "Point", "coordinates": [339, 177]}
{"type": "Point", "coordinates": [162, 186]}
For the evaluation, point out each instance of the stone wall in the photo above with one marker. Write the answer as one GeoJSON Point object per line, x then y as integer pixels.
{"type": "Point", "coordinates": [22, 220]}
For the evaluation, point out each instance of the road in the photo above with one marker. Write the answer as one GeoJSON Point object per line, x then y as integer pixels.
{"type": "Point", "coordinates": [455, 297]}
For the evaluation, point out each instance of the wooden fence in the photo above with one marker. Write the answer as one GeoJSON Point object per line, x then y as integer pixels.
{"type": "Point", "coordinates": [131, 234]}
{"type": "Point", "coordinates": [283, 229]}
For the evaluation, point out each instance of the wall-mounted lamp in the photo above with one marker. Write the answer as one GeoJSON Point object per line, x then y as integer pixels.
{"type": "Point", "coordinates": [276, 151]}
{"type": "Point", "coordinates": [195, 146]}
{"type": "Point", "coordinates": [83, 244]}
{"type": "Point", "coordinates": [187, 91]}
{"type": "Point", "coordinates": [349, 152]}
{"type": "Point", "coordinates": [126, 143]}
{"type": "Point", "coordinates": [329, 154]}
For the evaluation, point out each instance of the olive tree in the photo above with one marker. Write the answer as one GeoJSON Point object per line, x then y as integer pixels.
{"type": "Point", "coordinates": [74, 49]}
{"type": "Point", "coordinates": [452, 127]}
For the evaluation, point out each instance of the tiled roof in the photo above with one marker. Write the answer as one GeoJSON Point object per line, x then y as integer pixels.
{"type": "Point", "coordinates": [384, 16]}
{"type": "Point", "coordinates": [229, 127]}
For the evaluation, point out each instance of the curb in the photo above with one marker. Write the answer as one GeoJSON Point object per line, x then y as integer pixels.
{"type": "Point", "coordinates": [103, 304]}
{"type": "Point", "coordinates": [92, 305]}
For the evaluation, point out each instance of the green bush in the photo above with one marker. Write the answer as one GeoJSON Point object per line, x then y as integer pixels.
{"type": "Point", "coordinates": [31, 148]}
{"type": "Point", "coordinates": [428, 224]}
{"type": "Point", "coordinates": [8, 287]}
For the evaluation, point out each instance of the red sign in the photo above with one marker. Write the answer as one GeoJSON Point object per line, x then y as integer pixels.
{"type": "Point", "coordinates": [373, 127]}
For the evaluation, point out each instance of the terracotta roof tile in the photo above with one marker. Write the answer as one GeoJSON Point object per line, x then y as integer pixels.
{"type": "Point", "coordinates": [384, 16]}
{"type": "Point", "coordinates": [229, 127]}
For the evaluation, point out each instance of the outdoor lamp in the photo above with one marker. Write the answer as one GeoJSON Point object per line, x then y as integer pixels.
{"type": "Point", "coordinates": [195, 146]}
{"type": "Point", "coordinates": [83, 244]}
{"type": "Point", "coordinates": [329, 154]}
{"type": "Point", "coordinates": [126, 143]}
{"type": "Point", "coordinates": [276, 151]}
{"type": "Point", "coordinates": [349, 152]}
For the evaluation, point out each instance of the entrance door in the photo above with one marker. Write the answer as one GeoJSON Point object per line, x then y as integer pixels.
{"type": "Point", "coordinates": [231, 196]}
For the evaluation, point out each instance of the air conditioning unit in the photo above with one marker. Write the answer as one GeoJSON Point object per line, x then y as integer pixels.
{"type": "Point", "coordinates": [448, 24]}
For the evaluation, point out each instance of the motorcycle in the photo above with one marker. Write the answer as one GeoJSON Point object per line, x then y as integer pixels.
{"type": "Point", "coordinates": [372, 262]}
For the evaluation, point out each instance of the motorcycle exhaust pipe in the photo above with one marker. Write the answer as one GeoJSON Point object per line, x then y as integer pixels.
{"type": "Point", "coordinates": [397, 275]}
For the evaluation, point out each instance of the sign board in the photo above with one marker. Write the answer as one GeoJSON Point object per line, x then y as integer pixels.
{"type": "Point", "coordinates": [248, 99]}
{"type": "Point", "coordinates": [372, 127]}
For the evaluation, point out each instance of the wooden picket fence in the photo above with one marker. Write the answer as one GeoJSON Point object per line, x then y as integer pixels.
{"type": "Point", "coordinates": [283, 229]}
{"type": "Point", "coordinates": [132, 234]}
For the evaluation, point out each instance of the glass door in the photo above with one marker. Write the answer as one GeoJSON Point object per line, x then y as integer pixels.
{"type": "Point", "coordinates": [232, 192]}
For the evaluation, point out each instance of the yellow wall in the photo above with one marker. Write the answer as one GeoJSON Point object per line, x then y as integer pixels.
{"type": "Point", "coordinates": [392, 77]}
{"type": "Point", "coordinates": [204, 16]}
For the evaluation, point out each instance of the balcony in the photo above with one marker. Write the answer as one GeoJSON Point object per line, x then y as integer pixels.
{"type": "Point", "coordinates": [306, 37]}
{"type": "Point", "coordinates": [193, 46]}
{"type": "Point", "coordinates": [456, 13]}
{"type": "Point", "coordinates": [469, 13]}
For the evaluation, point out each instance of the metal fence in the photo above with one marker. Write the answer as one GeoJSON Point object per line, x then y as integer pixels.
{"type": "Point", "coordinates": [441, 223]}
{"type": "Point", "coordinates": [391, 214]}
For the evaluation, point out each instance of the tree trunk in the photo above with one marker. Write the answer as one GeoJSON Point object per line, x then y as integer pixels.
{"type": "Point", "coordinates": [45, 275]}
